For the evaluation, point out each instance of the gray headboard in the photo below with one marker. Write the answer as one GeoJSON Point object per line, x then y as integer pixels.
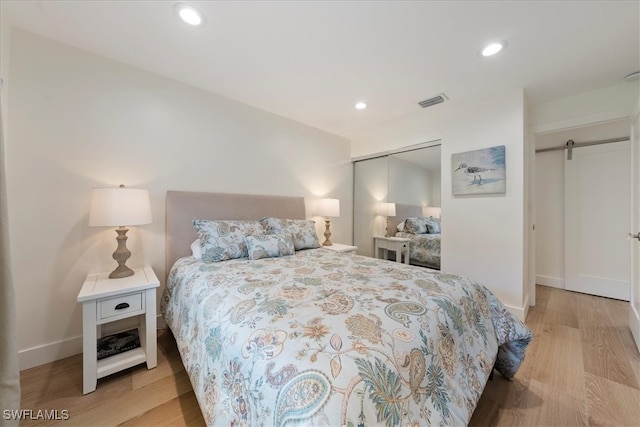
{"type": "Point", "coordinates": [403, 212]}
{"type": "Point", "coordinates": [182, 207]}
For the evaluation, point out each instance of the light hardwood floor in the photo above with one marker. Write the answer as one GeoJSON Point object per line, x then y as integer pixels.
{"type": "Point", "coordinates": [582, 368]}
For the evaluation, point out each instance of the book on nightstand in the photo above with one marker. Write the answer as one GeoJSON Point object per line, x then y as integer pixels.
{"type": "Point", "coordinates": [113, 344]}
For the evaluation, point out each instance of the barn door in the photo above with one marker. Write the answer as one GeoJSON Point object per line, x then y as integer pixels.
{"type": "Point", "coordinates": [597, 217]}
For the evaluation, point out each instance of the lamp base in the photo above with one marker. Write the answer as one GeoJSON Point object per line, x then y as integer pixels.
{"type": "Point", "coordinates": [327, 233]}
{"type": "Point", "coordinates": [120, 272]}
{"type": "Point", "coordinates": [121, 255]}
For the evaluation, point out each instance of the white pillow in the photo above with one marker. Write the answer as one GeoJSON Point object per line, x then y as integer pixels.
{"type": "Point", "coordinates": [196, 249]}
{"type": "Point", "coordinates": [400, 226]}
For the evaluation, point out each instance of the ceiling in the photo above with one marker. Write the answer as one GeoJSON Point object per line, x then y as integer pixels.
{"type": "Point", "coordinates": [311, 61]}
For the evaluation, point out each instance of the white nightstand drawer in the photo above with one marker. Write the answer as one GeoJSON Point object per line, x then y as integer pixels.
{"type": "Point", "coordinates": [120, 305]}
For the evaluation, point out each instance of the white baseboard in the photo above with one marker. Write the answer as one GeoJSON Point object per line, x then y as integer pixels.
{"type": "Point", "coordinates": [519, 312]}
{"type": "Point", "coordinates": [47, 353]}
{"type": "Point", "coordinates": [634, 323]}
{"type": "Point", "coordinates": [526, 307]}
{"type": "Point", "coordinates": [554, 282]}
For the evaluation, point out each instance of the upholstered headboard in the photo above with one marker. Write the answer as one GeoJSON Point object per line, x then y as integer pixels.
{"type": "Point", "coordinates": [182, 207]}
{"type": "Point", "coordinates": [403, 212]}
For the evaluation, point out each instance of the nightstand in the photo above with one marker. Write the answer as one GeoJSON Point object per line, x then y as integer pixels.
{"type": "Point", "coordinates": [106, 300]}
{"type": "Point", "coordinates": [338, 247]}
{"type": "Point", "coordinates": [400, 245]}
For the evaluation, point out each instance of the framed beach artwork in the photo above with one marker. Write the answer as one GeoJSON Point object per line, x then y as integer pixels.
{"type": "Point", "coordinates": [479, 171]}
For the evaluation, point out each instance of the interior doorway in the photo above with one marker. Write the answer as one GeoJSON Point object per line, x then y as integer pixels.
{"type": "Point", "coordinates": [576, 246]}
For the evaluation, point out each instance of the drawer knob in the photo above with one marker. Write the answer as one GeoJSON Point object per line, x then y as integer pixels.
{"type": "Point", "coordinates": [122, 306]}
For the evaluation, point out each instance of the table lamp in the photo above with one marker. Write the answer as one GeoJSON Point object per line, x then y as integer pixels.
{"type": "Point", "coordinates": [121, 207]}
{"type": "Point", "coordinates": [328, 208]}
{"type": "Point", "coordinates": [432, 211]}
{"type": "Point", "coordinates": [387, 210]}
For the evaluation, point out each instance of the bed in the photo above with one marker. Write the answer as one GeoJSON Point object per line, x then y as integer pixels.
{"type": "Point", "coordinates": [424, 249]}
{"type": "Point", "coordinates": [325, 338]}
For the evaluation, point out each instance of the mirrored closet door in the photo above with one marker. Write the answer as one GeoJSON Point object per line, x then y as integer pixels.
{"type": "Point", "coordinates": [388, 190]}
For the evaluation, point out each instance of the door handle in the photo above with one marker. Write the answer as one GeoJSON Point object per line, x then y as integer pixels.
{"type": "Point", "coordinates": [634, 236]}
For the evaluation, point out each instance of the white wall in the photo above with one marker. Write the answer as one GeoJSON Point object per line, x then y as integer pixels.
{"type": "Point", "coordinates": [528, 231]}
{"type": "Point", "coordinates": [482, 236]}
{"type": "Point", "coordinates": [5, 42]}
{"type": "Point", "coordinates": [550, 196]}
{"type": "Point", "coordinates": [634, 311]}
{"type": "Point", "coordinates": [79, 121]}
{"type": "Point", "coordinates": [585, 109]}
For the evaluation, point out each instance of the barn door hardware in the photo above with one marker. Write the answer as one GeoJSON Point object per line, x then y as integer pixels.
{"type": "Point", "coordinates": [571, 145]}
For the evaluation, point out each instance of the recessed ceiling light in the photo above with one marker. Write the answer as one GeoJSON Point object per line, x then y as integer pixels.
{"type": "Point", "coordinates": [493, 48]}
{"type": "Point", "coordinates": [361, 105]}
{"type": "Point", "coordinates": [189, 14]}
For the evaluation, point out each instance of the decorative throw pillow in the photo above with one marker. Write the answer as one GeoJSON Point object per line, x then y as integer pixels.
{"type": "Point", "coordinates": [400, 226]}
{"type": "Point", "coordinates": [433, 225]}
{"type": "Point", "coordinates": [302, 231]}
{"type": "Point", "coordinates": [269, 245]}
{"type": "Point", "coordinates": [274, 225]}
{"type": "Point", "coordinates": [415, 225]}
{"type": "Point", "coordinates": [223, 240]}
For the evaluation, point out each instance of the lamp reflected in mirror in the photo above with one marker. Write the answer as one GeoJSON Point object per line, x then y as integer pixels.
{"type": "Point", "coordinates": [432, 211]}
{"type": "Point", "coordinates": [386, 210]}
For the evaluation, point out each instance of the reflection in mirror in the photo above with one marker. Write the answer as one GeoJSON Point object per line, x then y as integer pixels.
{"type": "Point", "coordinates": [370, 188]}
{"type": "Point", "coordinates": [414, 187]}
{"type": "Point", "coordinates": [390, 189]}
{"type": "Point", "coordinates": [414, 177]}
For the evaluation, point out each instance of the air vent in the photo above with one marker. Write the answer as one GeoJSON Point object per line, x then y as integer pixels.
{"type": "Point", "coordinates": [438, 99]}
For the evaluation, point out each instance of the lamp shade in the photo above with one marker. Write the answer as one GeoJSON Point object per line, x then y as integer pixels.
{"type": "Point", "coordinates": [119, 207]}
{"type": "Point", "coordinates": [431, 211]}
{"type": "Point", "coordinates": [328, 207]}
{"type": "Point", "coordinates": [386, 209]}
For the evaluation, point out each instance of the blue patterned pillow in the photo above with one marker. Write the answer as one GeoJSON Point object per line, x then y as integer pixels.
{"type": "Point", "coordinates": [415, 225]}
{"type": "Point", "coordinates": [274, 225]}
{"type": "Point", "coordinates": [223, 240]}
{"type": "Point", "coordinates": [433, 225]}
{"type": "Point", "coordinates": [418, 225]}
{"type": "Point", "coordinates": [302, 231]}
{"type": "Point", "coordinates": [269, 245]}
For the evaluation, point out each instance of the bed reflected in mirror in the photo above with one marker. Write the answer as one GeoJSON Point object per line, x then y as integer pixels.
{"type": "Point", "coordinates": [388, 191]}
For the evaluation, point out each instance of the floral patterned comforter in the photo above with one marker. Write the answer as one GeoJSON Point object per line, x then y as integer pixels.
{"type": "Point", "coordinates": [324, 338]}
{"type": "Point", "coordinates": [424, 248]}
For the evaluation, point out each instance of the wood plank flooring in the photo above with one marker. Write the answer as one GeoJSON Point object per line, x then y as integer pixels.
{"type": "Point", "coordinates": [582, 368]}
